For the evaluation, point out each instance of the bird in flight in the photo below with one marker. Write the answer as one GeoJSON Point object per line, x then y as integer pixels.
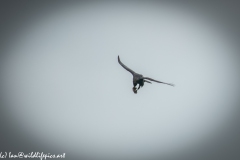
{"type": "Point", "coordinates": [138, 78]}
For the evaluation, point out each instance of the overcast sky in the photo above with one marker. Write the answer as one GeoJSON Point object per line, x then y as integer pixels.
{"type": "Point", "coordinates": [64, 87]}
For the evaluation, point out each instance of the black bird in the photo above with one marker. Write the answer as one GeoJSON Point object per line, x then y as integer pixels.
{"type": "Point", "coordinates": [138, 78]}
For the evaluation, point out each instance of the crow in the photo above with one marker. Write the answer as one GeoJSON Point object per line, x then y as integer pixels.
{"type": "Point", "coordinates": [138, 78]}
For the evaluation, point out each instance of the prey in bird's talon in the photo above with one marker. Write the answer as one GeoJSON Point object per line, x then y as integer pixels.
{"type": "Point", "coordinates": [138, 78]}
{"type": "Point", "coordinates": [134, 90]}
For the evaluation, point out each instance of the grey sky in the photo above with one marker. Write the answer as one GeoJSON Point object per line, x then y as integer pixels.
{"type": "Point", "coordinates": [67, 90]}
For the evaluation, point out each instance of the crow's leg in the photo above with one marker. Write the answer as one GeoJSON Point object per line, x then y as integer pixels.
{"type": "Point", "coordinates": [134, 88]}
{"type": "Point", "coordinates": [139, 87]}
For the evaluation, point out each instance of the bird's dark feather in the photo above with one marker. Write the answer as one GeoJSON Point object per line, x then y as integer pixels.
{"type": "Point", "coordinates": [128, 69]}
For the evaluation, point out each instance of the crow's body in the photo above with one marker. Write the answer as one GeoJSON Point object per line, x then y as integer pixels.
{"type": "Point", "coordinates": [138, 78]}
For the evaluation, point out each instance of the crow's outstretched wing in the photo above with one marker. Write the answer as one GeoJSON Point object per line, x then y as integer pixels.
{"type": "Point", "coordinates": [147, 81]}
{"type": "Point", "coordinates": [157, 81]}
{"type": "Point", "coordinates": [128, 69]}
